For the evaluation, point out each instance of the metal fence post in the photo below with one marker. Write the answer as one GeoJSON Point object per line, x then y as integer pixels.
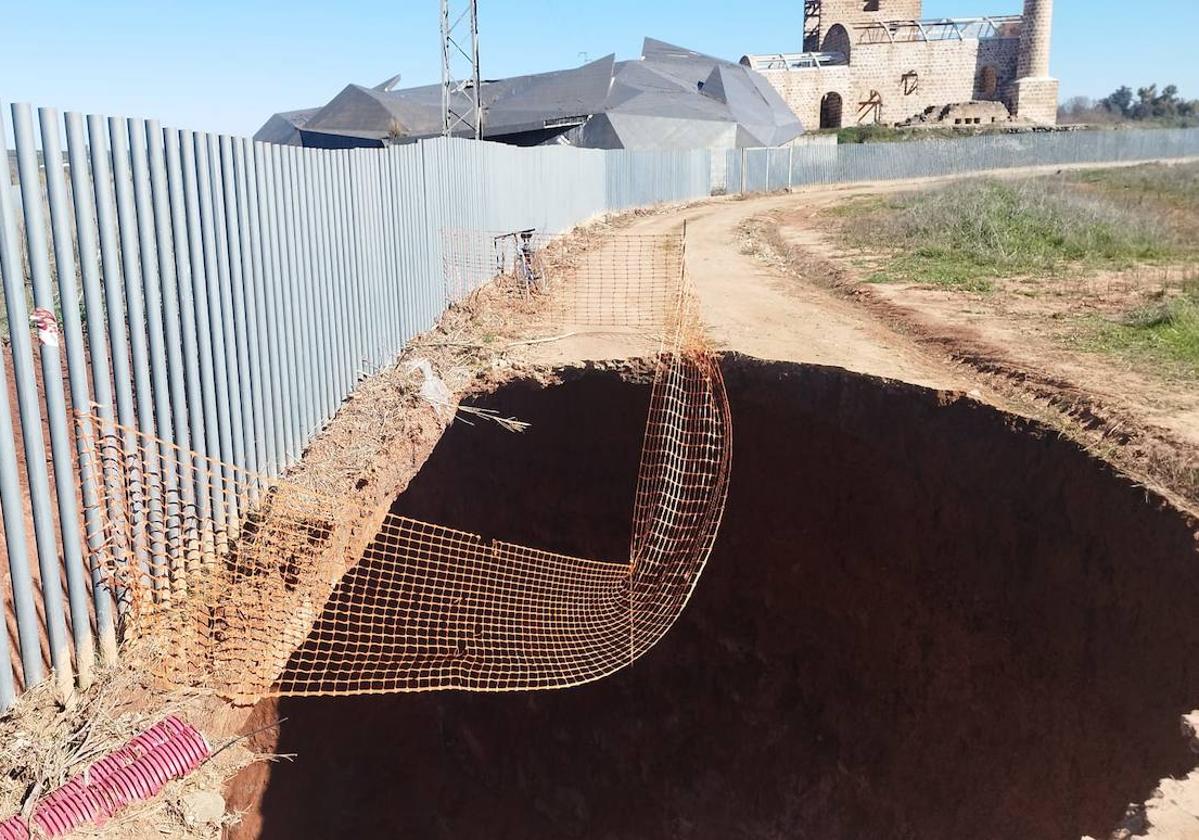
{"type": "Point", "coordinates": [264, 416]}
{"type": "Point", "coordinates": [20, 575]}
{"type": "Point", "coordinates": [273, 315]}
{"type": "Point", "coordinates": [65, 466]}
{"type": "Point", "coordinates": [284, 204]}
{"type": "Point", "coordinates": [97, 338]}
{"type": "Point", "coordinates": [233, 307]}
{"type": "Point", "coordinates": [224, 371]}
{"type": "Point", "coordinates": [45, 533]}
{"type": "Point", "coordinates": [169, 325]}
{"type": "Point", "coordinates": [209, 338]}
{"type": "Point", "coordinates": [145, 455]}
{"type": "Point", "coordinates": [152, 261]}
{"type": "Point", "coordinates": [191, 434]}
{"type": "Point", "coordinates": [221, 305]}
{"type": "Point", "coordinates": [120, 447]}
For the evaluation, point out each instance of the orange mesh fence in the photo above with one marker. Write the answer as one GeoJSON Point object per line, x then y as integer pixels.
{"type": "Point", "coordinates": [257, 587]}
{"type": "Point", "coordinates": [473, 258]}
{"type": "Point", "coordinates": [616, 281]}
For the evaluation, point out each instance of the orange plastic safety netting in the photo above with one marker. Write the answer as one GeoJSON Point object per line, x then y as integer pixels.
{"type": "Point", "coordinates": [586, 282]}
{"type": "Point", "coordinates": [271, 596]}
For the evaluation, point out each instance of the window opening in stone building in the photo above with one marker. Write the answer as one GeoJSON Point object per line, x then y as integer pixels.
{"type": "Point", "coordinates": [837, 41]}
{"type": "Point", "coordinates": [831, 107]}
{"type": "Point", "coordinates": [988, 83]}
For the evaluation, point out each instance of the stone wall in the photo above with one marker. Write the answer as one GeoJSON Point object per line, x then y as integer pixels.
{"type": "Point", "coordinates": [909, 77]}
{"type": "Point", "coordinates": [1035, 36]}
{"type": "Point", "coordinates": [905, 78]}
{"type": "Point", "coordinates": [1036, 100]}
{"type": "Point", "coordinates": [1035, 94]}
{"type": "Point", "coordinates": [803, 90]}
{"type": "Point", "coordinates": [851, 13]}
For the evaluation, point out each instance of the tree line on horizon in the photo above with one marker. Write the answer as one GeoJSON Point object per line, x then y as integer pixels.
{"type": "Point", "coordinates": [1146, 105]}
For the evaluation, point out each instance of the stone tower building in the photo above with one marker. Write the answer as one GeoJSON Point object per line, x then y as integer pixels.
{"type": "Point", "coordinates": [820, 16]}
{"type": "Point", "coordinates": [1034, 96]}
{"type": "Point", "coordinates": [877, 61]}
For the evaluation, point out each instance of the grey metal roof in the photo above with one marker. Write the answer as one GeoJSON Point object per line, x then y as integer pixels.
{"type": "Point", "coordinates": [528, 103]}
{"type": "Point", "coordinates": [284, 128]}
{"type": "Point", "coordinates": [671, 97]}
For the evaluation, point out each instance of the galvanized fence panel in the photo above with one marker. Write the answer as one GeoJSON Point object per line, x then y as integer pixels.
{"type": "Point", "coordinates": [640, 178]}
{"type": "Point", "coordinates": [222, 296]}
{"type": "Point", "coordinates": [225, 296]}
{"type": "Point", "coordinates": [778, 168]}
{"type": "Point", "coordinates": [734, 172]}
{"type": "Point", "coordinates": [756, 170]}
{"type": "Point", "coordinates": [932, 158]}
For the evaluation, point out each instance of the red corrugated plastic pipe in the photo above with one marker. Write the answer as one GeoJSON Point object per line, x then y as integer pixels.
{"type": "Point", "coordinates": [134, 773]}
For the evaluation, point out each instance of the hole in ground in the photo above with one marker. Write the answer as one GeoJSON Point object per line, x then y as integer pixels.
{"type": "Point", "coordinates": [923, 619]}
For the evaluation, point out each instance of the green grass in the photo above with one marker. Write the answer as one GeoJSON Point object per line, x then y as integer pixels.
{"type": "Point", "coordinates": [1165, 334]}
{"type": "Point", "coordinates": [890, 134]}
{"type": "Point", "coordinates": [1153, 185]}
{"type": "Point", "coordinates": [967, 235]}
{"type": "Point", "coordinates": [872, 134]}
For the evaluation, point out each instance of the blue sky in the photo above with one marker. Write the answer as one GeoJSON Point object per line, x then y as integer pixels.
{"type": "Point", "coordinates": [226, 66]}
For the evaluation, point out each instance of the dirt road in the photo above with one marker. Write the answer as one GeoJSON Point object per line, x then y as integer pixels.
{"type": "Point", "coordinates": [803, 305]}
{"type": "Point", "coordinates": [754, 308]}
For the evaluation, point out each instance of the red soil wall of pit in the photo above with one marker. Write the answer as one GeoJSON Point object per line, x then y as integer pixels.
{"type": "Point", "coordinates": [923, 619]}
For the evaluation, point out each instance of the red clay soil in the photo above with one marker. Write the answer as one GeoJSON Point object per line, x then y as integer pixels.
{"type": "Point", "coordinates": [923, 619]}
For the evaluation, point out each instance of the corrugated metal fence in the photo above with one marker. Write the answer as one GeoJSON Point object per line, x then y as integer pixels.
{"type": "Point", "coordinates": [766, 170]}
{"type": "Point", "coordinates": [224, 296]}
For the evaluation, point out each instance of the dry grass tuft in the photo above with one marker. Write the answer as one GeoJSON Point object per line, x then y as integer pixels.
{"type": "Point", "coordinates": [44, 742]}
{"type": "Point", "coordinates": [969, 234]}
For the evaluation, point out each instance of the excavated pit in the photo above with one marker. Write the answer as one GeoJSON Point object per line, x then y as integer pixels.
{"type": "Point", "coordinates": [922, 619]}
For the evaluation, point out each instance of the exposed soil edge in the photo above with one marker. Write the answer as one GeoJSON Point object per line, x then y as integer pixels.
{"type": "Point", "coordinates": [1149, 454]}
{"type": "Point", "coordinates": [392, 464]}
{"type": "Point", "coordinates": [1158, 810]}
{"type": "Point", "coordinates": [1151, 457]}
{"type": "Point", "coordinates": [377, 441]}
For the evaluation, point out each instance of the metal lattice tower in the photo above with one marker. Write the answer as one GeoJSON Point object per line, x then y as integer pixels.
{"type": "Point", "coordinates": [461, 105]}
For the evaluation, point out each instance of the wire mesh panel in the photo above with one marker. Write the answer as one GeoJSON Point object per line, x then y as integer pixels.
{"type": "Point", "coordinates": [277, 602]}
{"type": "Point", "coordinates": [616, 281]}
{"type": "Point", "coordinates": [620, 281]}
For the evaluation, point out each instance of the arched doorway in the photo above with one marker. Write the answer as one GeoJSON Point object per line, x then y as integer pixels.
{"type": "Point", "coordinates": [988, 83]}
{"type": "Point", "coordinates": [831, 107]}
{"type": "Point", "coordinates": [837, 41]}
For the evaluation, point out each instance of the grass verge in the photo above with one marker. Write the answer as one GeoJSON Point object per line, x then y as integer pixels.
{"type": "Point", "coordinates": [1157, 187]}
{"type": "Point", "coordinates": [969, 234]}
{"type": "Point", "coordinates": [1164, 335]}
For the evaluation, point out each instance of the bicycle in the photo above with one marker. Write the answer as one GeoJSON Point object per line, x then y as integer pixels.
{"type": "Point", "coordinates": [524, 258]}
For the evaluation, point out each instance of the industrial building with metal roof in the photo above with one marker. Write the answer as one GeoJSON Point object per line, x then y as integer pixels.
{"type": "Point", "coordinates": [670, 98]}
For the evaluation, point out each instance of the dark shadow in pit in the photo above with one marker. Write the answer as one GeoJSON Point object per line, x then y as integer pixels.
{"type": "Point", "coordinates": [923, 619]}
